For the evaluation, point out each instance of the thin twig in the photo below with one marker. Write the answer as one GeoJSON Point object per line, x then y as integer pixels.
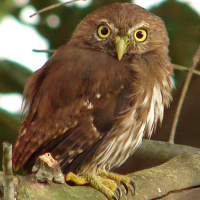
{"type": "Point", "coordinates": [54, 6]}
{"type": "Point", "coordinates": [7, 172]}
{"type": "Point", "coordinates": [44, 50]}
{"type": "Point", "coordinates": [179, 67]}
{"type": "Point", "coordinates": [195, 61]}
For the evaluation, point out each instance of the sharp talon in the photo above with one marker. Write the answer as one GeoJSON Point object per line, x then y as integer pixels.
{"type": "Point", "coordinates": [125, 186]}
{"type": "Point", "coordinates": [134, 187]}
{"type": "Point", "coordinates": [119, 191]}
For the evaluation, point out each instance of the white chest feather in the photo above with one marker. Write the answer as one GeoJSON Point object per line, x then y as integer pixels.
{"type": "Point", "coordinates": [124, 139]}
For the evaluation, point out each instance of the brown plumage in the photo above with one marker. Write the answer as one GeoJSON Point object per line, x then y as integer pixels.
{"type": "Point", "coordinates": [91, 104]}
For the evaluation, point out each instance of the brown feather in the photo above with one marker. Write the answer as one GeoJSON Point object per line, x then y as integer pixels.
{"type": "Point", "coordinates": [87, 108]}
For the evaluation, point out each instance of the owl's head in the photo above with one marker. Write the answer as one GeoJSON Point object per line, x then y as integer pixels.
{"type": "Point", "coordinates": [120, 30]}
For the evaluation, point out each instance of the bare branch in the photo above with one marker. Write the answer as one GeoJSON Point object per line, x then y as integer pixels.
{"type": "Point", "coordinates": [179, 67]}
{"type": "Point", "coordinates": [53, 6]}
{"type": "Point", "coordinates": [7, 172]}
{"type": "Point", "coordinates": [158, 182]}
{"type": "Point", "coordinates": [44, 50]}
{"type": "Point", "coordinates": [195, 61]}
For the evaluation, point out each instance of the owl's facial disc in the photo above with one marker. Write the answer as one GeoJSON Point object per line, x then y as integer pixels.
{"type": "Point", "coordinates": [121, 44]}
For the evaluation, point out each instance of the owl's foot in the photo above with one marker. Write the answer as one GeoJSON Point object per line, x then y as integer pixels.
{"type": "Point", "coordinates": [108, 183]}
{"type": "Point", "coordinates": [120, 180]}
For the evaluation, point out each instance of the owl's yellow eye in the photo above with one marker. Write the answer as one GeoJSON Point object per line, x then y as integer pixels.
{"type": "Point", "coordinates": [103, 31]}
{"type": "Point", "coordinates": [140, 35]}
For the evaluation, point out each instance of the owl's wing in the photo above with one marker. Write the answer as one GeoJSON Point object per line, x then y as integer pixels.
{"type": "Point", "coordinates": [71, 103]}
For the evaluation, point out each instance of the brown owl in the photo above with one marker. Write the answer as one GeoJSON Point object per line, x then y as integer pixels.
{"type": "Point", "coordinates": [95, 99]}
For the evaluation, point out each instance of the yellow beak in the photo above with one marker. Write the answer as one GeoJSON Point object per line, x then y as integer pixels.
{"type": "Point", "coordinates": [121, 44]}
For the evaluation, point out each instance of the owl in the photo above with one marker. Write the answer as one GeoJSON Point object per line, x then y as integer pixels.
{"type": "Point", "coordinates": [94, 100]}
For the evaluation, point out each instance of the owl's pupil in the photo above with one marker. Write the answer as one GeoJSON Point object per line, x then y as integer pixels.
{"type": "Point", "coordinates": [140, 34]}
{"type": "Point", "coordinates": [104, 31]}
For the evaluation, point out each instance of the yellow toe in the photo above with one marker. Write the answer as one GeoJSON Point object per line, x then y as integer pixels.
{"type": "Point", "coordinates": [77, 180]}
{"type": "Point", "coordinates": [108, 183]}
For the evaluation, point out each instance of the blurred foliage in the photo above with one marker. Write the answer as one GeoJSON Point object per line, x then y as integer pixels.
{"type": "Point", "coordinates": [183, 25]}
{"type": "Point", "coordinates": [182, 22]}
{"type": "Point", "coordinates": [12, 80]}
{"type": "Point", "coordinates": [9, 124]}
{"type": "Point", "coordinates": [13, 77]}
